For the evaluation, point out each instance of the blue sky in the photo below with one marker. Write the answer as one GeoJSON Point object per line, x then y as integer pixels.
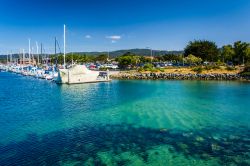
{"type": "Point", "coordinates": [102, 25]}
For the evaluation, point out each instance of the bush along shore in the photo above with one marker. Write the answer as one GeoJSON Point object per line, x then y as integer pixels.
{"type": "Point", "coordinates": [178, 76]}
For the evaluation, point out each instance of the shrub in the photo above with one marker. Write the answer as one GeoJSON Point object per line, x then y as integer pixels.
{"type": "Point", "coordinates": [246, 71]}
{"type": "Point", "coordinates": [148, 67]}
{"type": "Point", "coordinates": [103, 68]}
{"type": "Point", "coordinates": [247, 68]}
{"type": "Point", "coordinates": [140, 69]}
{"type": "Point", "coordinates": [219, 63]}
{"type": "Point", "coordinates": [245, 74]}
{"type": "Point", "coordinates": [154, 70]}
{"type": "Point", "coordinates": [198, 69]}
{"type": "Point", "coordinates": [230, 68]}
{"type": "Point", "coordinates": [210, 67]}
{"type": "Point", "coordinates": [161, 69]}
{"type": "Point", "coordinates": [191, 59]}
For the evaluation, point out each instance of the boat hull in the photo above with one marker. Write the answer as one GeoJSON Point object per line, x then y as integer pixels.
{"type": "Point", "coordinates": [79, 74]}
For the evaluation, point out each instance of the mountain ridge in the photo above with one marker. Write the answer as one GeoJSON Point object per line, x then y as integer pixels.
{"type": "Point", "coordinates": [113, 54]}
{"type": "Point", "coordinates": [137, 51]}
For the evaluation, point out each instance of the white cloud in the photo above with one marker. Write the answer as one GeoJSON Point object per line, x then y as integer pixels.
{"type": "Point", "coordinates": [88, 36]}
{"type": "Point", "coordinates": [114, 38]}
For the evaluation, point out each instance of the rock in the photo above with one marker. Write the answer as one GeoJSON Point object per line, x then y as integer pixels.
{"type": "Point", "coordinates": [200, 139]}
{"type": "Point", "coordinates": [215, 147]}
{"type": "Point", "coordinates": [174, 76]}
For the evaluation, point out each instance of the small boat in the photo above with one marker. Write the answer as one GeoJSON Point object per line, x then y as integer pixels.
{"type": "Point", "coordinates": [78, 74]}
{"type": "Point", "coordinates": [50, 75]}
{"type": "Point", "coordinates": [39, 73]}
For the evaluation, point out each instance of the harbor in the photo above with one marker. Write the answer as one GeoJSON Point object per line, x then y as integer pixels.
{"type": "Point", "coordinates": [61, 74]}
{"type": "Point", "coordinates": [73, 75]}
{"type": "Point", "coordinates": [124, 83]}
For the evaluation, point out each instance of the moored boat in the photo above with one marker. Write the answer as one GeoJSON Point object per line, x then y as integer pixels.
{"type": "Point", "coordinates": [78, 74]}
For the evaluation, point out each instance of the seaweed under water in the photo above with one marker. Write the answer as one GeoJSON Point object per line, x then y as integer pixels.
{"type": "Point", "coordinates": [228, 145]}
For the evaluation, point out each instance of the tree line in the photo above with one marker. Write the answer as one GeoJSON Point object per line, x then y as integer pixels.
{"type": "Point", "coordinates": [238, 53]}
{"type": "Point", "coordinates": [196, 52]}
{"type": "Point", "coordinates": [78, 58]}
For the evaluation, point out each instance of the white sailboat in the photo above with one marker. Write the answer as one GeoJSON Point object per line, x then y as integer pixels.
{"type": "Point", "coordinates": [77, 74]}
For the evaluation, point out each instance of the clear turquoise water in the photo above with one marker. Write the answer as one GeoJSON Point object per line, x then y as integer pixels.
{"type": "Point", "coordinates": [124, 123]}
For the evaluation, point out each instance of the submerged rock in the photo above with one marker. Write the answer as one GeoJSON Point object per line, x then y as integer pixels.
{"type": "Point", "coordinates": [200, 139]}
{"type": "Point", "coordinates": [163, 130]}
{"type": "Point", "coordinates": [215, 147]}
{"type": "Point", "coordinates": [182, 146]}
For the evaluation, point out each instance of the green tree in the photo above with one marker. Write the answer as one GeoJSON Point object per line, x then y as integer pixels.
{"type": "Point", "coordinates": [227, 53]}
{"type": "Point", "coordinates": [77, 58]}
{"type": "Point", "coordinates": [172, 57]}
{"type": "Point", "coordinates": [127, 60]}
{"type": "Point", "coordinates": [102, 58]}
{"type": "Point", "coordinates": [142, 59]}
{"type": "Point", "coordinates": [191, 59]}
{"type": "Point", "coordinates": [204, 49]}
{"type": "Point", "coordinates": [148, 66]}
{"type": "Point", "coordinates": [241, 52]}
{"type": "Point", "coordinates": [247, 53]}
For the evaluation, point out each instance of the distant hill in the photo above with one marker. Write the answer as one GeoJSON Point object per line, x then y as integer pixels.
{"type": "Point", "coordinates": [141, 52]}
{"type": "Point", "coordinates": [113, 54]}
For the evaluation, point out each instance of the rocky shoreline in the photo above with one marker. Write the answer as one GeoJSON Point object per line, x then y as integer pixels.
{"type": "Point", "coordinates": [174, 76]}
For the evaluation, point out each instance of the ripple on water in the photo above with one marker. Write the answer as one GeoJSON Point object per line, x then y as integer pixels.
{"type": "Point", "coordinates": [123, 123]}
{"type": "Point", "coordinates": [126, 144]}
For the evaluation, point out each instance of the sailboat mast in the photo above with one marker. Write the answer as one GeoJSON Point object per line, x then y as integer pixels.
{"type": "Point", "coordinates": [56, 57]}
{"type": "Point", "coordinates": [7, 58]}
{"type": "Point", "coordinates": [37, 53]}
{"type": "Point", "coordinates": [42, 52]}
{"type": "Point", "coordinates": [20, 53]}
{"type": "Point", "coordinates": [32, 55]}
{"type": "Point", "coordinates": [29, 51]}
{"type": "Point", "coordinates": [55, 45]}
{"type": "Point", "coordinates": [10, 56]}
{"type": "Point", "coordinates": [64, 50]}
{"type": "Point", "coordinates": [23, 56]}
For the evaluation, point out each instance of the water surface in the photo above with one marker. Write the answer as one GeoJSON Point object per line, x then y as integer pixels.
{"type": "Point", "coordinates": [124, 122]}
